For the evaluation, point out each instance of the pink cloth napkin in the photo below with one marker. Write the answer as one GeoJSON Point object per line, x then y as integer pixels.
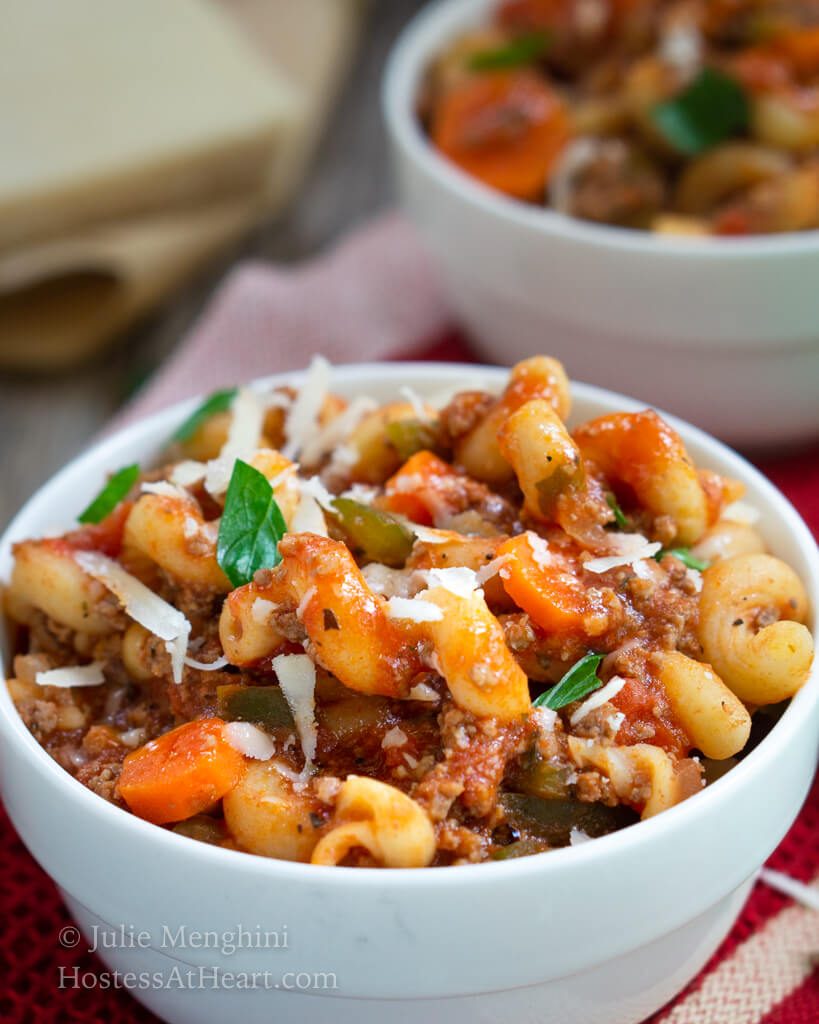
{"type": "Point", "coordinates": [371, 297]}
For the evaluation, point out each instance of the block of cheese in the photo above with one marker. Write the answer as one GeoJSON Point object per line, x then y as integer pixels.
{"type": "Point", "coordinates": [116, 108]}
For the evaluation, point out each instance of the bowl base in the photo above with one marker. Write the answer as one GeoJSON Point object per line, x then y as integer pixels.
{"type": "Point", "coordinates": [625, 990]}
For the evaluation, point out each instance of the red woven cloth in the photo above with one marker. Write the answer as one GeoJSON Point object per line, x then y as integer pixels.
{"type": "Point", "coordinates": [377, 290]}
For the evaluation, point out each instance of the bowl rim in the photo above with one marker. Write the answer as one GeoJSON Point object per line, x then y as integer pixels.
{"type": "Point", "coordinates": [416, 44]}
{"type": "Point", "coordinates": [143, 435]}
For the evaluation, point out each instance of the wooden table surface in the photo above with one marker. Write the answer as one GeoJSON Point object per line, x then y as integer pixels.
{"type": "Point", "coordinates": [44, 421]}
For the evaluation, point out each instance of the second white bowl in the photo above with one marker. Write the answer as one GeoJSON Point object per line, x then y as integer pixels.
{"type": "Point", "coordinates": [723, 332]}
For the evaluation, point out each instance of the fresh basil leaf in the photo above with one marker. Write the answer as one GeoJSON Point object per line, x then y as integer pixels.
{"type": "Point", "coordinates": [519, 51]}
{"type": "Point", "coordinates": [619, 514]}
{"type": "Point", "coordinates": [111, 495]}
{"type": "Point", "coordinates": [711, 109]}
{"type": "Point", "coordinates": [219, 401]}
{"type": "Point", "coordinates": [580, 680]}
{"type": "Point", "coordinates": [251, 527]}
{"type": "Point", "coordinates": [685, 556]}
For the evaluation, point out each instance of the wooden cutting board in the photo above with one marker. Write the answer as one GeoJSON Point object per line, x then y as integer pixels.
{"type": "Point", "coordinates": [65, 292]}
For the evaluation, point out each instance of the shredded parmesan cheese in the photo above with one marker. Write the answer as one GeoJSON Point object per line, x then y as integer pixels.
{"type": "Point", "coordinates": [381, 579]}
{"type": "Point", "coordinates": [249, 740]}
{"type": "Point", "coordinates": [577, 837]}
{"type": "Point", "coordinates": [458, 580]}
{"type": "Point", "coordinates": [142, 604]}
{"type": "Point", "coordinates": [613, 722]}
{"type": "Point", "coordinates": [187, 473]}
{"type": "Point", "coordinates": [316, 489]}
{"type": "Point", "coordinates": [394, 738]}
{"type": "Point", "coordinates": [545, 719]}
{"type": "Point", "coordinates": [337, 430]}
{"type": "Point", "coordinates": [695, 579]}
{"type": "Point", "coordinates": [424, 533]}
{"type": "Point", "coordinates": [741, 512]}
{"type": "Point", "coordinates": [575, 157]}
{"type": "Point", "coordinates": [306, 598]}
{"type": "Point", "coordinates": [627, 543]}
{"type": "Point", "coordinates": [540, 549]}
{"type": "Point", "coordinates": [301, 423]}
{"type": "Point", "coordinates": [261, 610]}
{"type": "Point", "coordinates": [486, 572]}
{"type": "Point", "coordinates": [362, 493]}
{"type": "Point", "coordinates": [308, 517]}
{"type": "Point", "coordinates": [417, 403]}
{"type": "Point", "coordinates": [413, 609]}
{"type": "Point", "coordinates": [299, 779]}
{"type": "Point", "coordinates": [642, 570]}
{"type": "Point", "coordinates": [424, 692]}
{"type": "Point", "coordinates": [166, 489]}
{"type": "Point", "coordinates": [132, 737]}
{"type": "Point", "coordinates": [681, 48]}
{"type": "Point", "coordinates": [344, 458]}
{"type": "Point", "coordinates": [242, 440]}
{"type": "Point", "coordinates": [206, 666]}
{"type": "Point", "coordinates": [276, 399]}
{"type": "Point", "coordinates": [72, 676]}
{"type": "Point", "coordinates": [633, 548]}
{"type": "Point", "coordinates": [598, 698]}
{"type": "Point", "coordinates": [297, 678]}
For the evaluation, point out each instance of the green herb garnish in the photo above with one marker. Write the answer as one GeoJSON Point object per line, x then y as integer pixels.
{"type": "Point", "coordinates": [251, 527]}
{"type": "Point", "coordinates": [711, 109]}
{"type": "Point", "coordinates": [580, 680]}
{"type": "Point", "coordinates": [684, 555]}
{"type": "Point", "coordinates": [111, 495]}
{"type": "Point", "coordinates": [619, 514]}
{"type": "Point", "coordinates": [219, 401]}
{"type": "Point", "coordinates": [519, 51]}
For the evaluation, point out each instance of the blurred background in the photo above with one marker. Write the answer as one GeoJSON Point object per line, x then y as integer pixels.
{"type": "Point", "coordinates": [106, 261]}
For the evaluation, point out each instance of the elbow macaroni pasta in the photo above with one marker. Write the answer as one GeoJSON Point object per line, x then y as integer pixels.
{"type": "Point", "coordinates": [380, 819]}
{"type": "Point", "coordinates": [172, 533]}
{"type": "Point", "coordinates": [762, 664]}
{"type": "Point", "coordinates": [47, 577]}
{"type": "Point", "coordinates": [479, 451]}
{"type": "Point", "coordinates": [714, 718]}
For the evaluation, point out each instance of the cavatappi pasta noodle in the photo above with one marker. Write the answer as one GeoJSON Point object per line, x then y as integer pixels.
{"type": "Point", "coordinates": [406, 635]}
{"type": "Point", "coordinates": [686, 117]}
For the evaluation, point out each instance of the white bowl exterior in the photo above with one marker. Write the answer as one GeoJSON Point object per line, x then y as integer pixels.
{"type": "Point", "coordinates": [724, 332]}
{"type": "Point", "coordinates": [620, 991]}
{"type": "Point", "coordinates": [457, 931]}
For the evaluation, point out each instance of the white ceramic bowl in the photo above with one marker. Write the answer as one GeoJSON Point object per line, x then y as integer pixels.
{"type": "Point", "coordinates": [724, 332]}
{"type": "Point", "coordinates": [603, 933]}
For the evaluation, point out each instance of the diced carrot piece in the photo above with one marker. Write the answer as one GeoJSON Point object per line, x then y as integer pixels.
{"type": "Point", "coordinates": [180, 773]}
{"type": "Point", "coordinates": [800, 48]}
{"type": "Point", "coordinates": [505, 128]}
{"type": "Point", "coordinates": [415, 490]}
{"type": "Point", "coordinates": [553, 598]}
